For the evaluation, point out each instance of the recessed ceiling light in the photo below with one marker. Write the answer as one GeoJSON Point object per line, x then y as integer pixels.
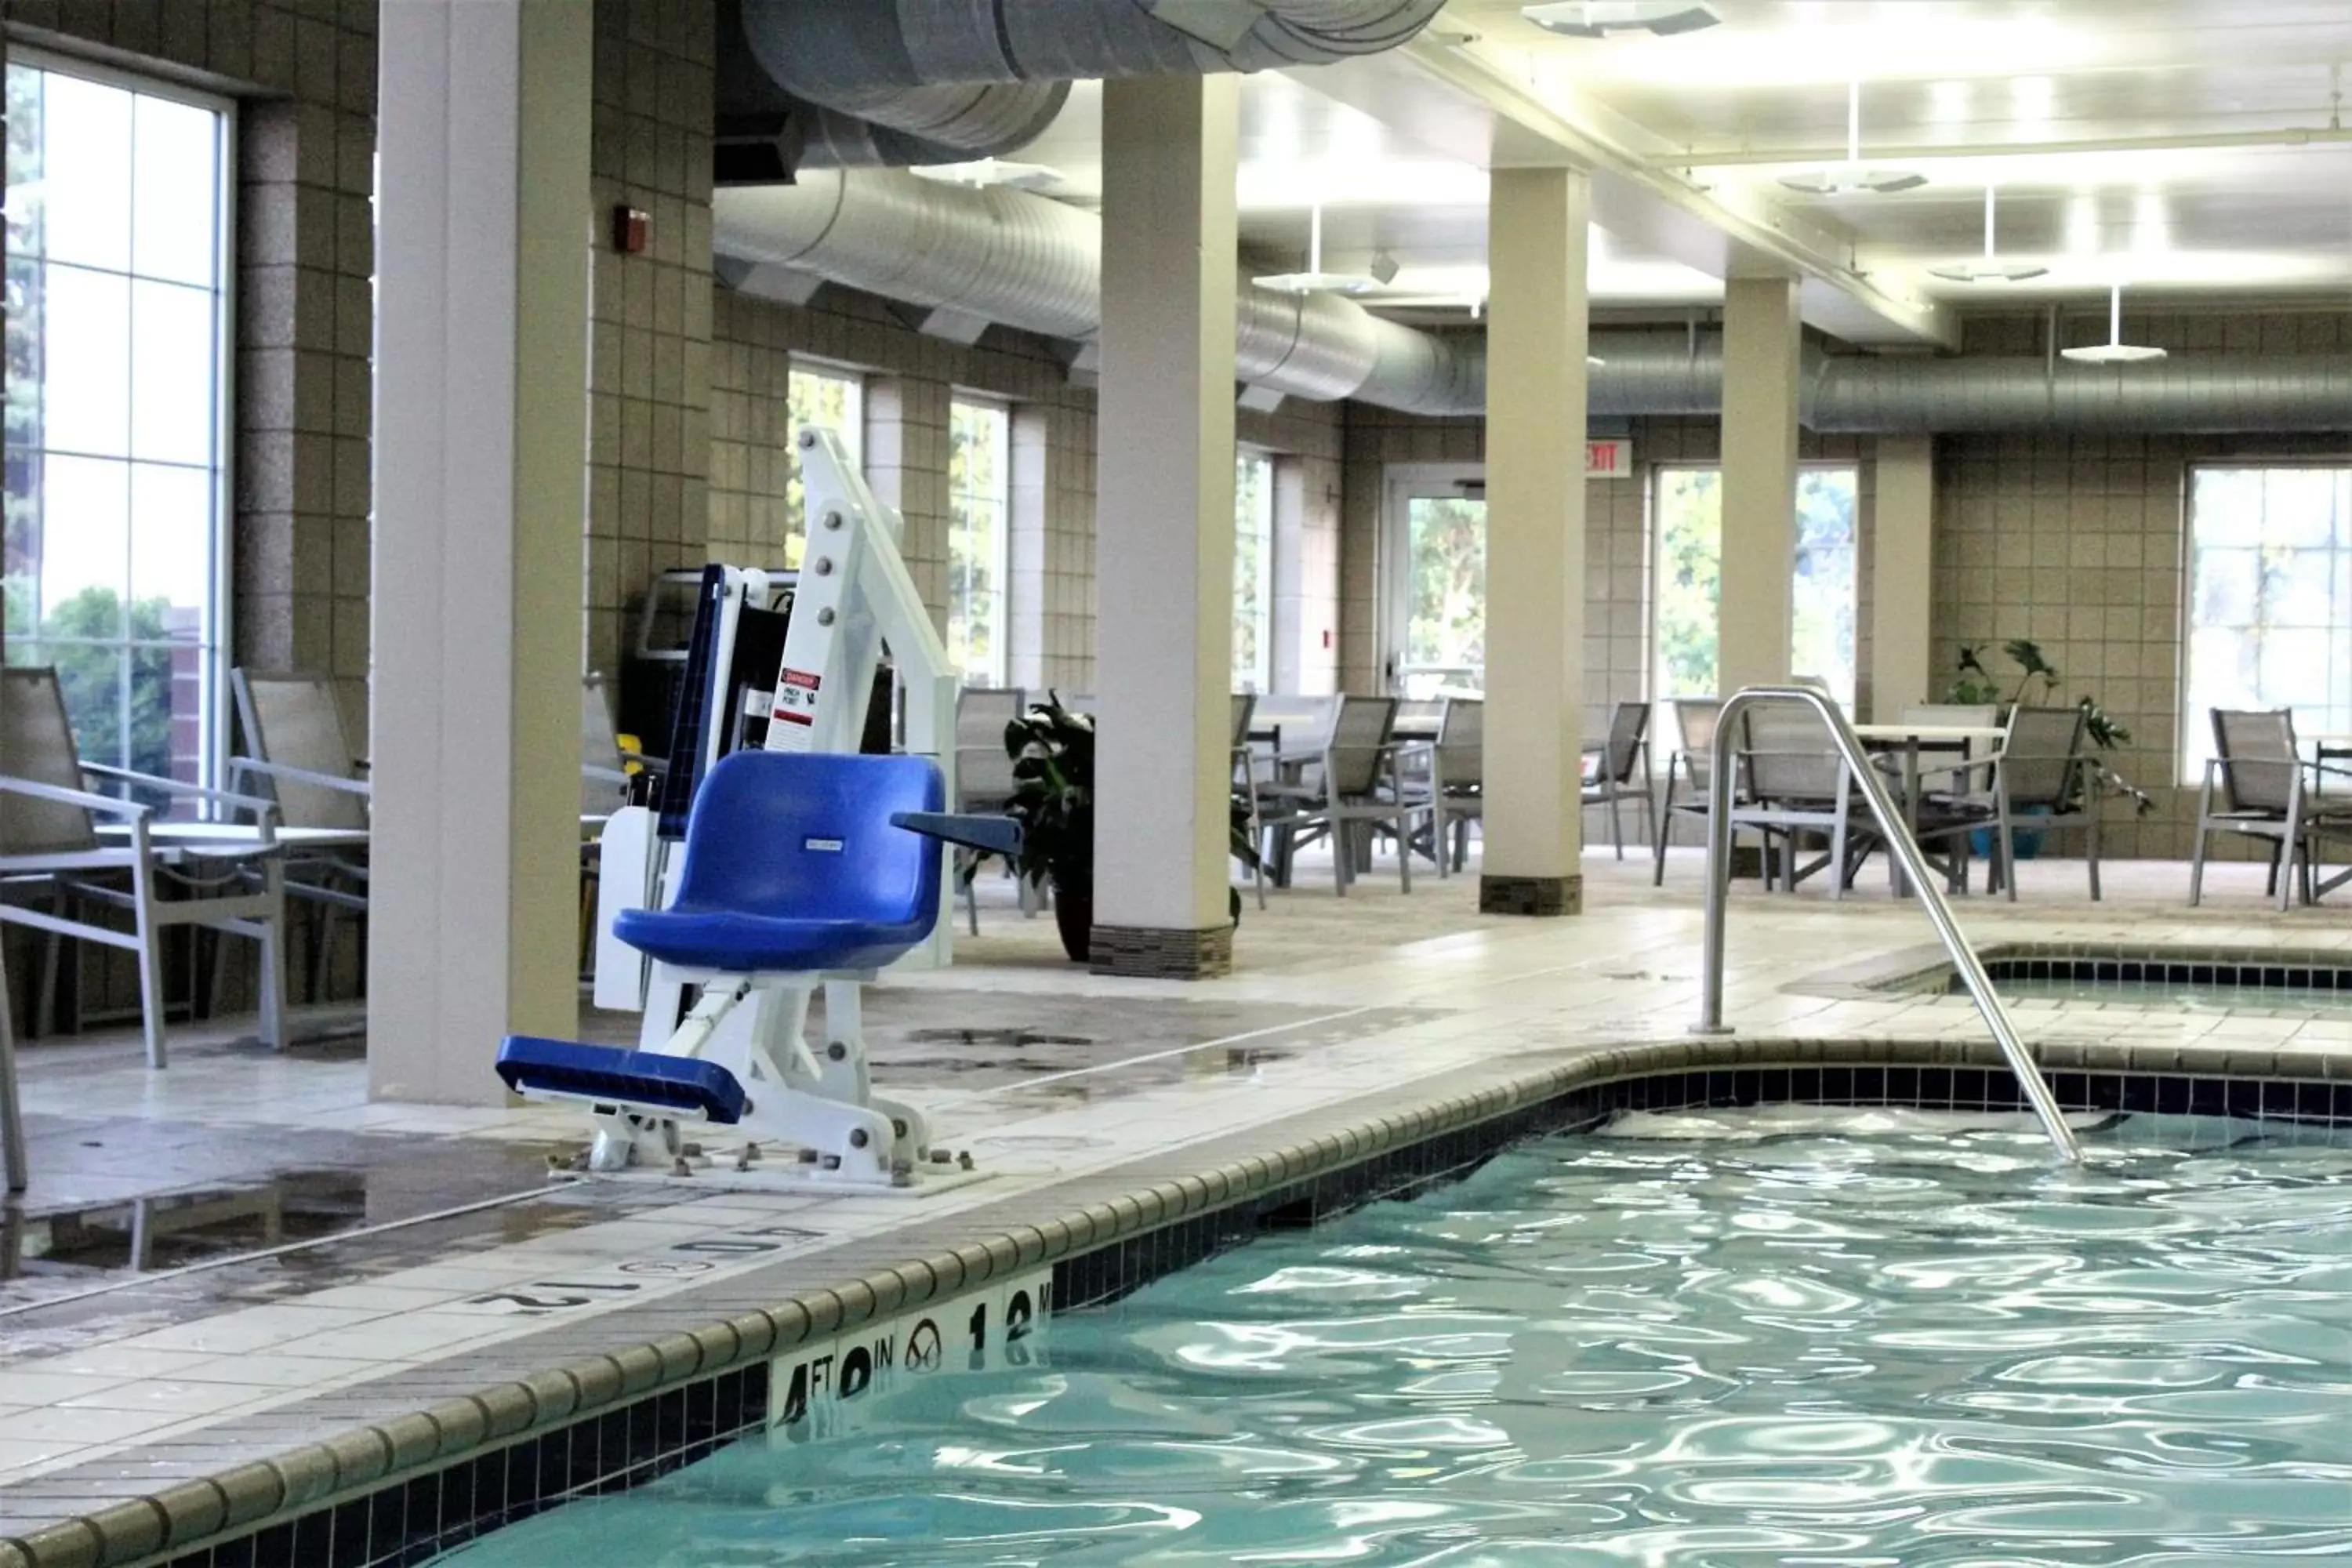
{"type": "Point", "coordinates": [2115, 351]}
{"type": "Point", "coordinates": [1991, 268]}
{"type": "Point", "coordinates": [984, 171]}
{"type": "Point", "coordinates": [1841, 179]}
{"type": "Point", "coordinates": [1600, 19]}
{"type": "Point", "coordinates": [1315, 280]}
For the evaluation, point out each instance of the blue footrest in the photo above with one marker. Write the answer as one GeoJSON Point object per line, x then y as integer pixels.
{"type": "Point", "coordinates": [681, 1084]}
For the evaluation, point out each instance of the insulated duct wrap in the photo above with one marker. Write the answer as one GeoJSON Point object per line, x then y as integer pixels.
{"type": "Point", "coordinates": [1033, 263]}
{"type": "Point", "coordinates": [983, 78]}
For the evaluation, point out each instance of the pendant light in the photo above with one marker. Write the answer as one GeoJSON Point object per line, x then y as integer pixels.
{"type": "Point", "coordinates": [1837, 180]}
{"type": "Point", "coordinates": [2115, 351]}
{"type": "Point", "coordinates": [1602, 18]}
{"type": "Point", "coordinates": [1315, 280]}
{"type": "Point", "coordinates": [1992, 270]}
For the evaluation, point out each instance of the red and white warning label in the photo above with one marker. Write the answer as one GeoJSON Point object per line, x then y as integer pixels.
{"type": "Point", "coordinates": [795, 698]}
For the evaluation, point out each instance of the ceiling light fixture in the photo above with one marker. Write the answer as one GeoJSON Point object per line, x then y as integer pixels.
{"type": "Point", "coordinates": [1600, 19]}
{"type": "Point", "coordinates": [2115, 351]}
{"type": "Point", "coordinates": [1843, 179]}
{"type": "Point", "coordinates": [982, 173]}
{"type": "Point", "coordinates": [1315, 280]}
{"type": "Point", "coordinates": [1992, 270]}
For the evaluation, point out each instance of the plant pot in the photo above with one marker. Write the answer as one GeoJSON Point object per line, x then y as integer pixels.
{"type": "Point", "coordinates": [1074, 917]}
{"type": "Point", "coordinates": [2026, 841]}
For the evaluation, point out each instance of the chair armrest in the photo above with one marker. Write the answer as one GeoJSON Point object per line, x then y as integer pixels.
{"type": "Point", "coordinates": [263, 809]}
{"type": "Point", "coordinates": [130, 810]}
{"type": "Point", "coordinates": [359, 787]}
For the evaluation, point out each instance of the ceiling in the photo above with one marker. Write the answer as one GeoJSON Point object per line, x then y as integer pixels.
{"type": "Point", "coordinates": [2193, 150]}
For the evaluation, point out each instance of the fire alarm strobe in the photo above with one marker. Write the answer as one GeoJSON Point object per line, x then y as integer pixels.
{"type": "Point", "coordinates": [631, 228]}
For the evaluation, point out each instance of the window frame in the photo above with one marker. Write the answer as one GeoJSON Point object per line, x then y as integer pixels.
{"type": "Point", "coordinates": [2194, 733]}
{"type": "Point", "coordinates": [213, 708]}
{"type": "Point", "coordinates": [1259, 678]}
{"type": "Point", "coordinates": [1652, 523]}
{"type": "Point", "coordinates": [1001, 641]}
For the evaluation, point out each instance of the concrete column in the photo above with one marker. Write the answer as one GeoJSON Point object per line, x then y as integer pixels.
{"type": "Point", "coordinates": [480, 426]}
{"type": "Point", "coordinates": [1762, 338]}
{"type": "Point", "coordinates": [1165, 527]}
{"type": "Point", "coordinates": [1902, 538]}
{"type": "Point", "coordinates": [1535, 542]}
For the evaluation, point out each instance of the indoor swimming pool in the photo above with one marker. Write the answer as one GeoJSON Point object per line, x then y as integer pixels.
{"type": "Point", "coordinates": [1755, 1337]}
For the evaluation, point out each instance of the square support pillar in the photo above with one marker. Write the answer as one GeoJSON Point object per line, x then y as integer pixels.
{"type": "Point", "coordinates": [1762, 339]}
{"type": "Point", "coordinates": [1903, 542]}
{"type": "Point", "coordinates": [480, 442]}
{"type": "Point", "coordinates": [1535, 543]}
{"type": "Point", "coordinates": [1165, 540]}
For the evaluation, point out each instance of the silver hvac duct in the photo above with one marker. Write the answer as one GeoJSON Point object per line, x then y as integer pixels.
{"type": "Point", "coordinates": [986, 76]}
{"type": "Point", "coordinates": [1031, 262]}
{"type": "Point", "coordinates": [1035, 263]}
{"type": "Point", "coordinates": [1655, 373]}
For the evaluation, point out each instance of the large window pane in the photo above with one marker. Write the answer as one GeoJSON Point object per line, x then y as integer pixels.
{"type": "Point", "coordinates": [86, 370]}
{"type": "Point", "coordinates": [175, 206]}
{"type": "Point", "coordinates": [174, 372]}
{"type": "Point", "coordinates": [84, 186]}
{"type": "Point", "coordinates": [1445, 630]}
{"type": "Point", "coordinates": [1252, 571]}
{"type": "Point", "coordinates": [2270, 607]}
{"type": "Point", "coordinates": [1687, 507]}
{"type": "Point", "coordinates": [113, 494]}
{"type": "Point", "coordinates": [979, 475]}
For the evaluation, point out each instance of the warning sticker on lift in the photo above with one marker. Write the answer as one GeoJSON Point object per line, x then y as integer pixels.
{"type": "Point", "coordinates": [818, 1390]}
{"type": "Point", "coordinates": [796, 697]}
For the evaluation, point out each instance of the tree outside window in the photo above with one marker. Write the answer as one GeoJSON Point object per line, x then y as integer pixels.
{"type": "Point", "coordinates": [1252, 571]}
{"type": "Point", "coordinates": [113, 528]}
{"type": "Point", "coordinates": [1689, 503]}
{"type": "Point", "coordinates": [2270, 599]}
{"type": "Point", "coordinates": [978, 481]}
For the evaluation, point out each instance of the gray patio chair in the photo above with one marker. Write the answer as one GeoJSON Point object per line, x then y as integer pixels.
{"type": "Point", "coordinates": [983, 773]}
{"type": "Point", "coordinates": [2258, 784]}
{"type": "Point", "coordinates": [1620, 772]}
{"type": "Point", "coordinates": [1458, 780]}
{"type": "Point", "coordinates": [70, 843]}
{"type": "Point", "coordinates": [2043, 778]}
{"type": "Point", "coordinates": [1799, 789]}
{"type": "Point", "coordinates": [1686, 774]}
{"type": "Point", "coordinates": [297, 753]}
{"type": "Point", "coordinates": [1356, 791]}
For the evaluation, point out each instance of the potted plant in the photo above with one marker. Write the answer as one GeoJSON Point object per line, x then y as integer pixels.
{"type": "Point", "coordinates": [1053, 752]}
{"type": "Point", "coordinates": [1977, 686]}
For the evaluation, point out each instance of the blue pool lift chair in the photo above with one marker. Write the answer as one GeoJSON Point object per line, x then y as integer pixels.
{"type": "Point", "coordinates": [801, 869]}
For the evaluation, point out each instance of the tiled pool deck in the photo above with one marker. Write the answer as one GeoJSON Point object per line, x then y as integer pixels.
{"type": "Point", "coordinates": [139, 1413]}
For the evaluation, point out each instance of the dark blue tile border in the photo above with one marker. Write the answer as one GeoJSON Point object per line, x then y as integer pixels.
{"type": "Point", "coordinates": [416, 1520]}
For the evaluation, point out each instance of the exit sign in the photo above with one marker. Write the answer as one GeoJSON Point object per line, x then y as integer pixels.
{"type": "Point", "coordinates": [1610, 460]}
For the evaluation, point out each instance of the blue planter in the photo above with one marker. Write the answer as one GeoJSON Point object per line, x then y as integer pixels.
{"type": "Point", "coordinates": [2026, 841]}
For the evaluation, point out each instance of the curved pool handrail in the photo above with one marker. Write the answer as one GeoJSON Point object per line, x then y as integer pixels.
{"type": "Point", "coordinates": [1906, 852]}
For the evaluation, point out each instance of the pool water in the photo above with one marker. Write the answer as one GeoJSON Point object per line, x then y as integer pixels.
{"type": "Point", "coordinates": [1695, 1340]}
{"type": "Point", "coordinates": [2182, 998]}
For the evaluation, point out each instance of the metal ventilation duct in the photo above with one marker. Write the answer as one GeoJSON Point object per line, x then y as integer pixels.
{"type": "Point", "coordinates": [985, 77]}
{"type": "Point", "coordinates": [1031, 262]}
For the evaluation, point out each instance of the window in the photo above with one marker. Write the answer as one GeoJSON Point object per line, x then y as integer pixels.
{"type": "Point", "coordinates": [1252, 571]}
{"type": "Point", "coordinates": [114, 554]}
{"type": "Point", "coordinates": [2270, 599]}
{"type": "Point", "coordinates": [979, 474]}
{"type": "Point", "coordinates": [828, 399]}
{"type": "Point", "coordinates": [1689, 507]}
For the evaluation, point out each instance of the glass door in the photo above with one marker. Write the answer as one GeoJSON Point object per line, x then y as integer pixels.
{"type": "Point", "coordinates": [1437, 581]}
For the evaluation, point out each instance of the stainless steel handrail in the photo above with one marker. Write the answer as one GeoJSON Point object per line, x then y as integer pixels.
{"type": "Point", "coordinates": [1906, 850]}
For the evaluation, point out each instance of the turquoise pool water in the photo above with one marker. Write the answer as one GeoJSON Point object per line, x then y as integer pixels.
{"type": "Point", "coordinates": [1724, 1340]}
{"type": "Point", "coordinates": [2185, 998]}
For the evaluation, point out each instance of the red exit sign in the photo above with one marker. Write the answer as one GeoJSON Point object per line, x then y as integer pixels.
{"type": "Point", "coordinates": [1610, 460]}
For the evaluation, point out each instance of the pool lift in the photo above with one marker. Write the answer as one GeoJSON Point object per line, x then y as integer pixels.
{"type": "Point", "coordinates": [1905, 849]}
{"type": "Point", "coordinates": [759, 880]}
